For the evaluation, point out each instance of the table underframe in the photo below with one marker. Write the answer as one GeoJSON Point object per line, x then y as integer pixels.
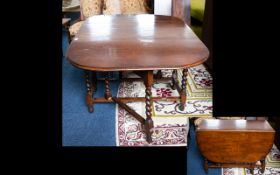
{"type": "Point", "coordinates": [149, 78]}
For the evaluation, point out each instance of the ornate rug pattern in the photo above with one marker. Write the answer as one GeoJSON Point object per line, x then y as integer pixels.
{"type": "Point", "coordinates": [272, 166]}
{"type": "Point", "coordinates": [170, 124]}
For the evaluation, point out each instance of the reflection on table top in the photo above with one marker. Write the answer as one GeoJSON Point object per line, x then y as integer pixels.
{"type": "Point", "coordinates": [135, 42]}
{"type": "Point", "coordinates": [234, 125]}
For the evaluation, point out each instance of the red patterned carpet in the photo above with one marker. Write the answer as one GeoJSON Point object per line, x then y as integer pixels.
{"type": "Point", "coordinates": [171, 124]}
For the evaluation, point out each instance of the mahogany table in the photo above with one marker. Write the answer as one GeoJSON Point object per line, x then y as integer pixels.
{"type": "Point", "coordinates": [139, 43]}
{"type": "Point", "coordinates": [234, 143]}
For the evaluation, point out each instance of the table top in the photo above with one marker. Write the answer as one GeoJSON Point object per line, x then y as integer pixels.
{"type": "Point", "coordinates": [234, 125]}
{"type": "Point", "coordinates": [135, 42]}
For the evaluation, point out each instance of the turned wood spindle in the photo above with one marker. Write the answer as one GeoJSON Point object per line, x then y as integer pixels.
{"type": "Point", "coordinates": [183, 93]}
{"type": "Point", "coordinates": [89, 99]}
{"type": "Point", "coordinates": [149, 122]}
{"type": "Point", "coordinates": [108, 94]}
{"type": "Point", "coordinates": [148, 102]}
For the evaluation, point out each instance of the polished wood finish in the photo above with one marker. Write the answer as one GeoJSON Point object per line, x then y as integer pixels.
{"type": "Point", "coordinates": [135, 42]}
{"type": "Point", "coordinates": [136, 99]}
{"type": "Point", "coordinates": [141, 43]}
{"type": "Point", "coordinates": [235, 125]}
{"type": "Point", "coordinates": [162, 79]}
{"type": "Point", "coordinates": [108, 93]}
{"type": "Point", "coordinates": [156, 79]}
{"type": "Point", "coordinates": [234, 143]}
{"type": "Point", "coordinates": [89, 98]}
{"type": "Point", "coordinates": [149, 124]}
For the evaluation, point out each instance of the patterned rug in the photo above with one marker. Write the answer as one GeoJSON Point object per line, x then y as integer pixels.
{"type": "Point", "coordinates": [170, 124]}
{"type": "Point", "coordinates": [272, 166]}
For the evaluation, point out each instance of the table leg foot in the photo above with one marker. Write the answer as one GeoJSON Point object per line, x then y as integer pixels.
{"type": "Point", "coordinates": [89, 97]}
{"type": "Point", "coordinates": [90, 109]}
{"type": "Point", "coordinates": [149, 125]}
{"type": "Point", "coordinates": [182, 107]}
{"type": "Point", "coordinates": [206, 166]}
{"type": "Point", "coordinates": [183, 93]}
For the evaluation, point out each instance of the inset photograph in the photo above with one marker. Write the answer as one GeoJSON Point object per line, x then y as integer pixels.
{"type": "Point", "coordinates": [234, 145]}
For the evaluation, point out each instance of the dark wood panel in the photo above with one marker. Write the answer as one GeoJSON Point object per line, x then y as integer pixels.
{"type": "Point", "coordinates": [231, 147]}
{"type": "Point", "coordinates": [235, 125]}
{"type": "Point", "coordinates": [234, 143]}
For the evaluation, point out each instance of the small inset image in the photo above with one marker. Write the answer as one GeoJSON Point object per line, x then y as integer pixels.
{"type": "Point", "coordinates": [231, 145]}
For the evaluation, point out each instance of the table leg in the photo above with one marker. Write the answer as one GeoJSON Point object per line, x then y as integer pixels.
{"type": "Point", "coordinates": [183, 93]}
{"type": "Point", "coordinates": [89, 98]}
{"type": "Point", "coordinates": [149, 124]}
{"type": "Point", "coordinates": [108, 94]}
{"type": "Point", "coordinates": [174, 79]}
{"type": "Point", "coordinates": [206, 166]}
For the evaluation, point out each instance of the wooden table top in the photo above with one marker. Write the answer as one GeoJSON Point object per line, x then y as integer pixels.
{"type": "Point", "coordinates": [135, 42]}
{"type": "Point", "coordinates": [234, 125]}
